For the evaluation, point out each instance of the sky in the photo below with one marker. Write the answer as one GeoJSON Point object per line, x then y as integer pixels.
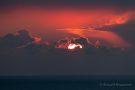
{"type": "Point", "coordinates": [112, 21]}
{"type": "Point", "coordinates": [47, 17]}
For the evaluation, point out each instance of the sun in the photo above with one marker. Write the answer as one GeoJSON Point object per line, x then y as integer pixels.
{"type": "Point", "coordinates": [74, 46]}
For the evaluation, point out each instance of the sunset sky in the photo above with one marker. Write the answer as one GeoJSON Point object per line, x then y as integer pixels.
{"type": "Point", "coordinates": [111, 21]}
{"type": "Point", "coordinates": [47, 17]}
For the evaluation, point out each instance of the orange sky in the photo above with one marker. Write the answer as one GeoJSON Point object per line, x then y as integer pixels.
{"type": "Point", "coordinates": [29, 18]}
{"type": "Point", "coordinates": [47, 21]}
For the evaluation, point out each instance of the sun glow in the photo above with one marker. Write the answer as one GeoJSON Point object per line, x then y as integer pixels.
{"type": "Point", "coordinates": [74, 46]}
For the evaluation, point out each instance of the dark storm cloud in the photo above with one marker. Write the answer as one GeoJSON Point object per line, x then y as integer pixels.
{"type": "Point", "coordinates": [126, 31]}
{"type": "Point", "coordinates": [13, 41]}
{"type": "Point", "coordinates": [122, 4]}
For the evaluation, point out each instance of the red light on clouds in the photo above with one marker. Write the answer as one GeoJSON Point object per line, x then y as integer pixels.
{"type": "Point", "coordinates": [111, 38]}
{"type": "Point", "coordinates": [51, 19]}
{"type": "Point", "coordinates": [36, 39]}
{"type": "Point", "coordinates": [61, 18]}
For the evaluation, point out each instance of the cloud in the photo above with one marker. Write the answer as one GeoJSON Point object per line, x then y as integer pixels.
{"type": "Point", "coordinates": [48, 20]}
{"type": "Point", "coordinates": [107, 38]}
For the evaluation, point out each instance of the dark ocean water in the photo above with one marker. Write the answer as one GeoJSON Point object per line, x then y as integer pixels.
{"type": "Point", "coordinates": [67, 83]}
